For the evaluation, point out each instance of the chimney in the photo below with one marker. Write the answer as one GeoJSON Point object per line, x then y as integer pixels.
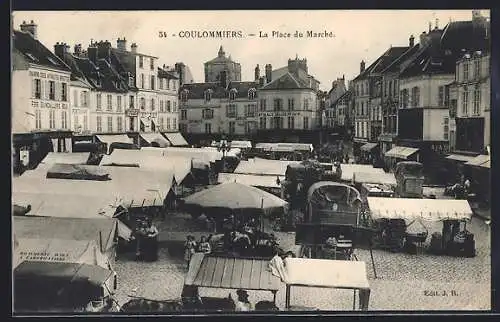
{"type": "Point", "coordinates": [121, 44]}
{"type": "Point", "coordinates": [362, 66]}
{"type": "Point", "coordinates": [257, 72]}
{"type": "Point", "coordinates": [261, 81]}
{"type": "Point", "coordinates": [412, 41]}
{"type": "Point", "coordinates": [104, 50]}
{"type": "Point", "coordinates": [60, 49]}
{"type": "Point", "coordinates": [78, 49]}
{"type": "Point", "coordinates": [423, 38]}
{"type": "Point", "coordinates": [30, 28]}
{"type": "Point", "coordinates": [92, 53]}
{"type": "Point", "coordinates": [133, 48]}
{"type": "Point", "coordinates": [269, 73]}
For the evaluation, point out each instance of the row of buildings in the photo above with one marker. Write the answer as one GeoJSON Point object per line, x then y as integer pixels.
{"type": "Point", "coordinates": [63, 95]}
{"type": "Point", "coordinates": [429, 99]}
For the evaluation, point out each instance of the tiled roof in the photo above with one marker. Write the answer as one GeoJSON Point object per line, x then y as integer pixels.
{"type": "Point", "coordinates": [35, 52]}
{"type": "Point", "coordinates": [197, 90]}
{"type": "Point", "coordinates": [397, 63]}
{"type": "Point", "coordinates": [287, 81]}
{"type": "Point", "coordinates": [101, 75]}
{"type": "Point", "coordinates": [460, 35]}
{"type": "Point", "coordinates": [382, 62]}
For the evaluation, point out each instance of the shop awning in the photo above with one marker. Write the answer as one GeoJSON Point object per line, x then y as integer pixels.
{"type": "Point", "coordinates": [410, 209]}
{"type": "Point", "coordinates": [263, 167]}
{"type": "Point", "coordinates": [175, 138]}
{"type": "Point", "coordinates": [155, 139]}
{"type": "Point", "coordinates": [482, 161]}
{"type": "Point", "coordinates": [368, 147]}
{"type": "Point", "coordinates": [119, 138]}
{"type": "Point", "coordinates": [231, 273]}
{"type": "Point", "coordinates": [372, 177]}
{"type": "Point", "coordinates": [251, 180]}
{"type": "Point", "coordinates": [400, 152]}
{"type": "Point", "coordinates": [241, 144]}
{"type": "Point", "coordinates": [348, 170]}
{"type": "Point", "coordinates": [66, 158]}
{"type": "Point", "coordinates": [459, 157]}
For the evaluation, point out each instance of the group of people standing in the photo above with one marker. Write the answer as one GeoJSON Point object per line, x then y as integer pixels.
{"type": "Point", "coordinates": [191, 247]}
{"type": "Point", "coordinates": [146, 238]}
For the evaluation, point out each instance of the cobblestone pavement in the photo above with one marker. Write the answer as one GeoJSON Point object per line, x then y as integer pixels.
{"type": "Point", "coordinates": [404, 282]}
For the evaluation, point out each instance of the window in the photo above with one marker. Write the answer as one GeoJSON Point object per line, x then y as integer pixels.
{"type": "Point", "coordinates": [183, 128]}
{"type": "Point", "coordinates": [306, 122]}
{"type": "Point", "coordinates": [152, 64]}
{"type": "Point", "coordinates": [75, 98]}
{"type": "Point", "coordinates": [362, 108]}
{"type": "Point", "coordinates": [208, 128]}
{"type": "Point", "coordinates": [141, 62]}
{"type": "Point", "coordinates": [131, 81]}
{"type": "Point", "coordinates": [64, 92]}
{"type": "Point", "coordinates": [167, 81]}
{"type": "Point", "coordinates": [175, 106]}
{"type": "Point", "coordinates": [251, 93]}
{"type": "Point", "coordinates": [404, 98]}
{"type": "Point", "coordinates": [38, 119]}
{"type": "Point", "coordinates": [174, 84]}
{"type": "Point", "coordinates": [160, 82]}
{"type": "Point", "coordinates": [118, 103]}
{"type": "Point", "coordinates": [362, 129]}
{"type": "Point", "coordinates": [85, 123]}
{"type": "Point", "coordinates": [119, 124]}
{"type": "Point", "coordinates": [161, 120]}
{"type": "Point", "coordinates": [208, 95]}
{"type": "Point", "coordinates": [466, 71]}
{"type": "Point", "coordinates": [168, 106]}
{"type": "Point", "coordinates": [415, 96]}
{"type": "Point", "coordinates": [208, 114]}
{"type": "Point", "coordinates": [231, 110]}
{"type": "Point", "coordinates": [110, 124]}
{"type": "Point", "coordinates": [262, 123]}
{"type": "Point", "coordinates": [142, 80]}
{"type": "Point", "coordinates": [52, 90]}
{"type": "Point", "coordinates": [477, 101]}
{"type": "Point", "coordinates": [85, 98]}
{"type": "Point", "coordinates": [152, 82]}
{"type": "Point", "coordinates": [153, 107]}
{"type": "Point", "coordinates": [76, 123]}
{"type": "Point", "coordinates": [109, 99]}
{"type": "Point", "coordinates": [441, 97]}
{"type": "Point", "coordinates": [99, 102]}
{"type": "Point", "coordinates": [465, 99]}
{"type": "Point", "coordinates": [477, 68]}
{"type": "Point", "coordinates": [232, 127]}
{"type": "Point", "coordinates": [291, 103]}
{"type": "Point", "coordinates": [37, 88]}
{"type": "Point", "coordinates": [174, 123]}
{"type": "Point", "coordinates": [168, 123]}
{"type": "Point", "coordinates": [262, 104]}
{"type": "Point", "coordinates": [232, 94]}
{"type": "Point", "coordinates": [278, 104]}
{"type": "Point", "coordinates": [183, 114]}
{"type": "Point", "coordinates": [446, 128]}
{"type": "Point", "coordinates": [306, 104]}
{"type": "Point", "coordinates": [64, 120]}
{"type": "Point", "coordinates": [52, 119]}
{"type": "Point", "coordinates": [131, 102]}
{"type": "Point", "coordinates": [143, 103]}
{"type": "Point", "coordinates": [357, 130]}
{"type": "Point", "coordinates": [161, 106]}
{"type": "Point", "coordinates": [250, 110]}
{"type": "Point", "coordinates": [291, 122]}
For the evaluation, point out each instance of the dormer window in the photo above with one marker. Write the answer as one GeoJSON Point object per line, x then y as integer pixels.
{"type": "Point", "coordinates": [252, 93]}
{"type": "Point", "coordinates": [208, 95]}
{"type": "Point", "coordinates": [232, 94]}
{"type": "Point", "coordinates": [30, 56]}
{"type": "Point", "coordinates": [53, 61]}
{"type": "Point", "coordinates": [184, 95]}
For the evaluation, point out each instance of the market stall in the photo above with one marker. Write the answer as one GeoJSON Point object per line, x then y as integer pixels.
{"type": "Point", "coordinates": [66, 158]}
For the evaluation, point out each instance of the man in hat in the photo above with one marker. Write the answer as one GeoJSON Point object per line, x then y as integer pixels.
{"type": "Point", "coordinates": [242, 304]}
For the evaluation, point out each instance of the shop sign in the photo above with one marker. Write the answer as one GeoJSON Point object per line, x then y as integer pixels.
{"type": "Point", "coordinates": [440, 148]}
{"type": "Point", "coordinates": [149, 114]}
{"type": "Point", "coordinates": [279, 113]}
{"type": "Point", "coordinates": [132, 112]}
{"type": "Point", "coordinates": [44, 256]}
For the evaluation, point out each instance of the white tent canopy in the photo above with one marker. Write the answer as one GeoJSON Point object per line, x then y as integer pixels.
{"type": "Point", "coordinates": [373, 177]}
{"type": "Point", "coordinates": [424, 209]}
{"type": "Point", "coordinates": [155, 137]}
{"type": "Point", "coordinates": [348, 170]}
{"type": "Point", "coordinates": [259, 166]}
{"type": "Point", "coordinates": [66, 158]}
{"type": "Point", "coordinates": [233, 152]}
{"type": "Point", "coordinates": [251, 180]}
{"type": "Point", "coordinates": [241, 144]}
{"type": "Point", "coordinates": [175, 138]}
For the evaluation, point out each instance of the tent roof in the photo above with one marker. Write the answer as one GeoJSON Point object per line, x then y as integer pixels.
{"type": "Point", "coordinates": [481, 160]}
{"type": "Point", "coordinates": [241, 144]}
{"type": "Point", "coordinates": [372, 177]}
{"type": "Point", "coordinates": [66, 158]}
{"type": "Point", "coordinates": [231, 273]}
{"type": "Point", "coordinates": [326, 273]}
{"type": "Point", "coordinates": [400, 152]}
{"type": "Point", "coordinates": [112, 138]}
{"type": "Point", "coordinates": [259, 166]}
{"type": "Point", "coordinates": [285, 146]}
{"type": "Point", "coordinates": [348, 170]}
{"type": "Point", "coordinates": [155, 137]}
{"type": "Point", "coordinates": [175, 138]}
{"type": "Point", "coordinates": [250, 179]}
{"type": "Point", "coordinates": [425, 209]}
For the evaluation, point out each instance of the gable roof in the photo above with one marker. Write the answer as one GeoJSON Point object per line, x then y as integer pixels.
{"type": "Point", "coordinates": [286, 81]}
{"type": "Point", "coordinates": [197, 90]}
{"type": "Point", "coordinates": [347, 94]}
{"type": "Point", "coordinates": [398, 62]}
{"type": "Point", "coordinates": [382, 62]}
{"type": "Point", "coordinates": [35, 52]}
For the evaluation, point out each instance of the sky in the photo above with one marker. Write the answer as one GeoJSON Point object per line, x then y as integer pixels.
{"type": "Point", "coordinates": [355, 35]}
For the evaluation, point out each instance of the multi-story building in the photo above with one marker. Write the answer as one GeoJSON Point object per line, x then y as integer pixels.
{"type": "Point", "coordinates": [208, 110]}
{"type": "Point", "coordinates": [331, 113]}
{"type": "Point", "coordinates": [423, 117]}
{"type": "Point", "coordinates": [221, 63]}
{"type": "Point", "coordinates": [168, 98]}
{"type": "Point", "coordinates": [289, 108]}
{"type": "Point", "coordinates": [41, 118]}
{"type": "Point", "coordinates": [361, 100]}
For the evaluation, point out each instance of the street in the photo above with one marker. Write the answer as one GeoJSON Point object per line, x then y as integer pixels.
{"type": "Point", "coordinates": [404, 282]}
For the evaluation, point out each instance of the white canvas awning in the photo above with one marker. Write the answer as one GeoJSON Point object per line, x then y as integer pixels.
{"type": "Point", "coordinates": [175, 138]}
{"type": "Point", "coordinates": [348, 170]}
{"type": "Point", "coordinates": [233, 152]}
{"type": "Point", "coordinates": [368, 146]}
{"type": "Point", "coordinates": [157, 138]}
{"type": "Point", "coordinates": [119, 138]}
{"type": "Point", "coordinates": [285, 147]}
{"type": "Point", "coordinates": [66, 158]}
{"type": "Point", "coordinates": [425, 209]}
{"type": "Point", "coordinates": [401, 152]}
{"type": "Point", "coordinates": [482, 161]}
{"type": "Point", "coordinates": [251, 180]}
{"type": "Point", "coordinates": [241, 144]}
{"type": "Point", "coordinates": [263, 167]}
{"type": "Point", "coordinates": [459, 157]}
{"type": "Point", "coordinates": [372, 177]}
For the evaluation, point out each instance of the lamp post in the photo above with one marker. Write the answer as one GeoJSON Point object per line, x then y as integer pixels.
{"type": "Point", "coordinates": [223, 147]}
